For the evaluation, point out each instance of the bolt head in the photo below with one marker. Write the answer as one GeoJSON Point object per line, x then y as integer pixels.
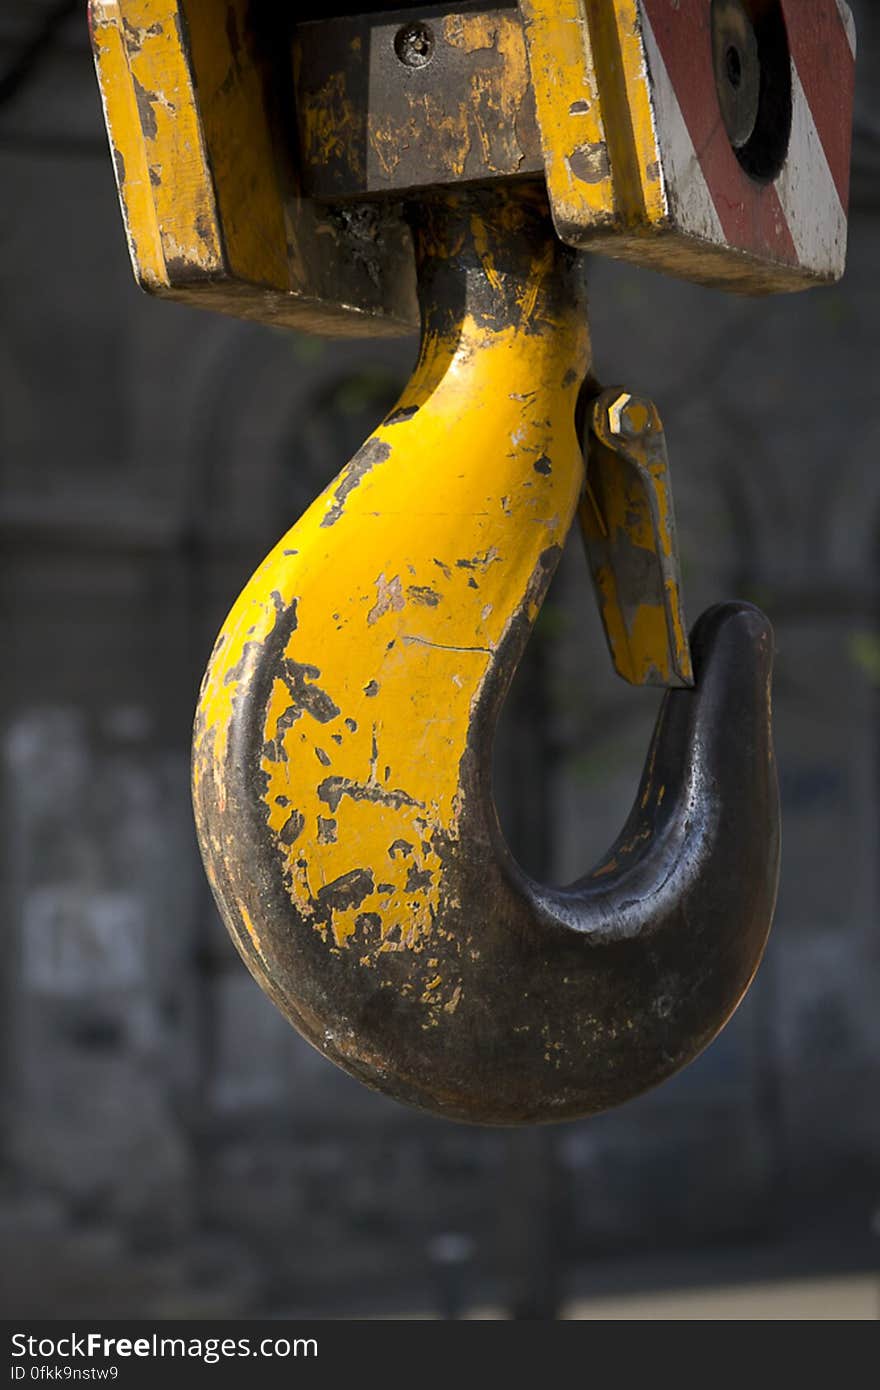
{"type": "Point", "coordinates": [629, 417]}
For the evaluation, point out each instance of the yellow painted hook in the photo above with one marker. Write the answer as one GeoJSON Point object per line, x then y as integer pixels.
{"type": "Point", "coordinates": [341, 757]}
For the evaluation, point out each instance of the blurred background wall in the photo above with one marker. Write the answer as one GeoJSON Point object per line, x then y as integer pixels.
{"type": "Point", "coordinates": [170, 1146]}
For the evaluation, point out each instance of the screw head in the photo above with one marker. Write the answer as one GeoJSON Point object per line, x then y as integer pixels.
{"type": "Point", "coordinates": [414, 45]}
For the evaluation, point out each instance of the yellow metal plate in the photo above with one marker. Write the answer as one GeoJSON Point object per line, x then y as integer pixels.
{"type": "Point", "coordinates": [207, 181]}
{"type": "Point", "coordinates": [638, 161]}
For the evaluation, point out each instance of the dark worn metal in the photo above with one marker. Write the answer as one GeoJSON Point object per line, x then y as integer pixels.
{"type": "Point", "coordinates": [621, 978]}
{"type": "Point", "coordinates": [753, 76]}
{"type": "Point", "coordinates": [389, 102]}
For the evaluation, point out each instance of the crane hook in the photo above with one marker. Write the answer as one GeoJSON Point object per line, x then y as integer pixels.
{"type": "Point", "coordinates": [343, 738]}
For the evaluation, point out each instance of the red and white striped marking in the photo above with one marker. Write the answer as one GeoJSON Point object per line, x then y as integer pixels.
{"type": "Point", "coordinates": [800, 219]}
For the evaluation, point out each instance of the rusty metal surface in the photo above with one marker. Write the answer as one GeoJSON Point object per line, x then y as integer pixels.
{"type": "Point", "coordinates": [628, 524]}
{"type": "Point", "coordinates": [394, 102]}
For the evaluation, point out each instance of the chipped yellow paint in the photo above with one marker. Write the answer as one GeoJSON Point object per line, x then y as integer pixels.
{"type": "Point", "coordinates": [482, 121]}
{"type": "Point", "coordinates": [571, 119]}
{"type": "Point", "coordinates": [361, 130]}
{"type": "Point", "coordinates": [592, 95]}
{"type": "Point", "coordinates": [593, 99]}
{"type": "Point", "coordinates": [205, 180]}
{"type": "Point", "coordinates": [615, 28]}
{"type": "Point", "coordinates": [634, 213]}
{"type": "Point", "coordinates": [123, 121]}
{"type": "Point", "coordinates": [174, 89]}
{"type": "Point", "coordinates": [498, 92]}
{"type": "Point", "coordinates": [153, 75]}
{"type": "Point", "coordinates": [405, 575]}
{"type": "Point", "coordinates": [249, 192]}
{"type": "Point", "coordinates": [626, 508]}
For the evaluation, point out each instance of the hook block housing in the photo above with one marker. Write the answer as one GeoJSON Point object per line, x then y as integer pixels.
{"type": "Point", "coordinates": [262, 157]}
{"type": "Point", "coordinates": [710, 140]}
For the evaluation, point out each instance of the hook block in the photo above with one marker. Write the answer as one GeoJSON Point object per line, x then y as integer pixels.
{"type": "Point", "coordinates": [708, 140]}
